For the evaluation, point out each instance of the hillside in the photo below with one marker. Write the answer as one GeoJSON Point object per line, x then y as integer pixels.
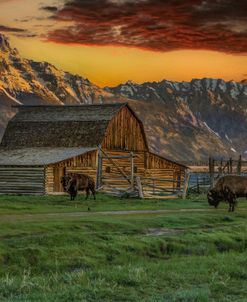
{"type": "Point", "coordinates": [184, 121]}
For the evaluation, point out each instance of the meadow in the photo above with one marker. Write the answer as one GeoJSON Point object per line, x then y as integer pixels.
{"type": "Point", "coordinates": [52, 249]}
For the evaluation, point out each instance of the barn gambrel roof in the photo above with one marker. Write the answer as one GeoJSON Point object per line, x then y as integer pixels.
{"type": "Point", "coordinates": [59, 126]}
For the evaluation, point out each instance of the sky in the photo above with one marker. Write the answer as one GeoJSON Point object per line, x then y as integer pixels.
{"type": "Point", "coordinates": [113, 41]}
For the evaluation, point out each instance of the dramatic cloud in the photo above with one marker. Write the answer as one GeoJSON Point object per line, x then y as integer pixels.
{"type": "Point", "coordinates": [49, 8]}
{"type": "Point", "coordinates": [158, 25]}
{"type": "Point", "coordinates": [4, 28]}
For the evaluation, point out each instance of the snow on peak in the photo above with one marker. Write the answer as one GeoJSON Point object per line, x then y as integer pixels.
{"type": "Point", "coordinates": [210, 83]}
{"type": "Point", "coordinates": [227, 137]}
{"type": "Point", "coordinates": [129, 88]}
{"type": "Point", "coordinates": [154, 92]}
{"type": "Point", "coordinates": [207, 82]}
{"type": "Point", "coordinates": [211, 130]}
{"type": "Point", "coordinates": [197, 84]}
{"type": "Point", "coordinates": [214, 84]}
{"type": "Point", "coordinates": [222, 85]}
{"type": "Point", "coordinates": [234, 92]}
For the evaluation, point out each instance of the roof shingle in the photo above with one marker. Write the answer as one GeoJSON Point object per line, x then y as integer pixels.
{"type": "Point", "coordinates": [59, 126]}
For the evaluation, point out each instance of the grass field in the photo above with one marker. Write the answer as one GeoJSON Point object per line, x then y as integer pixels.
{"type": "Point", "coordinates": [52, 249]}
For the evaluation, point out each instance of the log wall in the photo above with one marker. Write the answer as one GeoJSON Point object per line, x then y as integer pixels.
{"type": "Point", "coordinates": [22, 180]}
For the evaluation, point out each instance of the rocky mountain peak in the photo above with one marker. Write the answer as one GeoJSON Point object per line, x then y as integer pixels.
{"type": "Point", "coordinates": [6, 49]}
{"type": "Point", "coordinates": [4, 43]}
{"type": "Point", "coordinates": [130, 82]}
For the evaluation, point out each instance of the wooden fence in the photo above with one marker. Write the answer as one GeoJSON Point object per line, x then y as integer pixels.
{"type": "Point", "coordinates": [161, 188]}
{"type": "Point", "coordinates": [122, 181]}
{"type": "Point", "coordinates": [201, 181]}
{"type": "Point", "coordinates": [218, 168]}
{"type": "Point", "coordinates": [144, 187]}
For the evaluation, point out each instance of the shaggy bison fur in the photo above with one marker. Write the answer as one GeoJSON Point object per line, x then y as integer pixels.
{"type": "Point", "coordinates": [228, 188]}
{"type": "Point", "coordinates": [72, 183]}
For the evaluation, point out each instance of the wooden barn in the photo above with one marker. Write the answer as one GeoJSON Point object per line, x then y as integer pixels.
{"type": "Point", "coordinates": [108, 142]}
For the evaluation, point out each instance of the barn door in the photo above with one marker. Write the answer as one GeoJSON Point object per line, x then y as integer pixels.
{"type": "Point", "coordinates": [111, 174]}
{"type": "Point", "coordinates": [58, 173]}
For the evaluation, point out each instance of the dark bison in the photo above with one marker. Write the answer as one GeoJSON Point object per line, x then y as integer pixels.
{"type": "Point", "coordinates": [72, 183]}
{"type": "Point", "coordinates": [228, 188]}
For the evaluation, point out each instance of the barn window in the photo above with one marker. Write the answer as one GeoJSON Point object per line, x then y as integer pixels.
{"type": "Point", "coordinates": [108, 169]}
{"type": "Point", "coordinates": [135, 169]}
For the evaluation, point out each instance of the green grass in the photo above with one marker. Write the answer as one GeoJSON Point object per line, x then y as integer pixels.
{"type": "Point", "coordinates": [199, 256]}
{"type": "Point", "coordinates": [52, 204]}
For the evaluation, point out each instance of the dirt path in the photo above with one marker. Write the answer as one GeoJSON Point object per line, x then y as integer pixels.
{"type": "Point", "coordinates": [41, 216]}
{"type": "Point", "coordinates": [128, 212]}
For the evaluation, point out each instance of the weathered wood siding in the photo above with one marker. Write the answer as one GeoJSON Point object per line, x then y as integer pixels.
{"type": "Point", "coordinates": [157, 162]}
{"type": "Point", "coordinates": [161, 168]}
{"type": "Point", "coordinates": [22, 180]}
{"type": "Point", "coordinates": [85, 163]}
{"type": "Point", "coordinates": [125, 132]}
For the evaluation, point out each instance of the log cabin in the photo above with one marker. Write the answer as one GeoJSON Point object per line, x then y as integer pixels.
{"type": "Point", "coordinates": [107, 142]}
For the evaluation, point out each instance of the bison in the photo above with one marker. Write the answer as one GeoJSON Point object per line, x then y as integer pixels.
{"type": "Point", "coordinates": [72, 183]}
{"type": "Point", "coordinates": [228, 188]}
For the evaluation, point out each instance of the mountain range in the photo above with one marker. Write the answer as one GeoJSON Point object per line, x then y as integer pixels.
{"type": "Point", "coordinates": [184, 121]}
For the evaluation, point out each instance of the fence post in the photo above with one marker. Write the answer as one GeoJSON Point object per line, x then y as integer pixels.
{"type": "Point", "coordinates": [186, 184]}
{"type": "Point", "coordinates": [139, 186]}
{"type": "Point", "coordinates": [99, 168]}
{"type": "Point", "coordinates": [211, 172]}
{"type": "Point", "coordinates": [197, 185]}
{"type": "Point", "coordinates": [239, 167]}
{"type": "Point", "coordinates": [173, 184]}
{"type": "Point", "coordinates": [221, 167]}
{"type": "Point", "coordinates": [132, 170]}
{"type": "Point", "coordinates": [230, 165]}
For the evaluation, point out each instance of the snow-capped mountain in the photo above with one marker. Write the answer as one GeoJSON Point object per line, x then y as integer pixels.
{"type": "Point", "coordinates": [184, 121]}
{"type": "Point", "coordinates": [191, 108]}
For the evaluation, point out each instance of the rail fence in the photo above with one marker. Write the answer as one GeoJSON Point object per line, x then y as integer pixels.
{"type": "Point", "coordinates": [201, 181]}
{"type": "Point", "coordinates": [143, 187]}
{"type": "Point", "coordinates": [151, 187]}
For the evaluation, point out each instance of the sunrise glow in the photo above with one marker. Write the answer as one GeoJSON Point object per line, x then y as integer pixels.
{"type": "Point", "coordinates": [116, 56]}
